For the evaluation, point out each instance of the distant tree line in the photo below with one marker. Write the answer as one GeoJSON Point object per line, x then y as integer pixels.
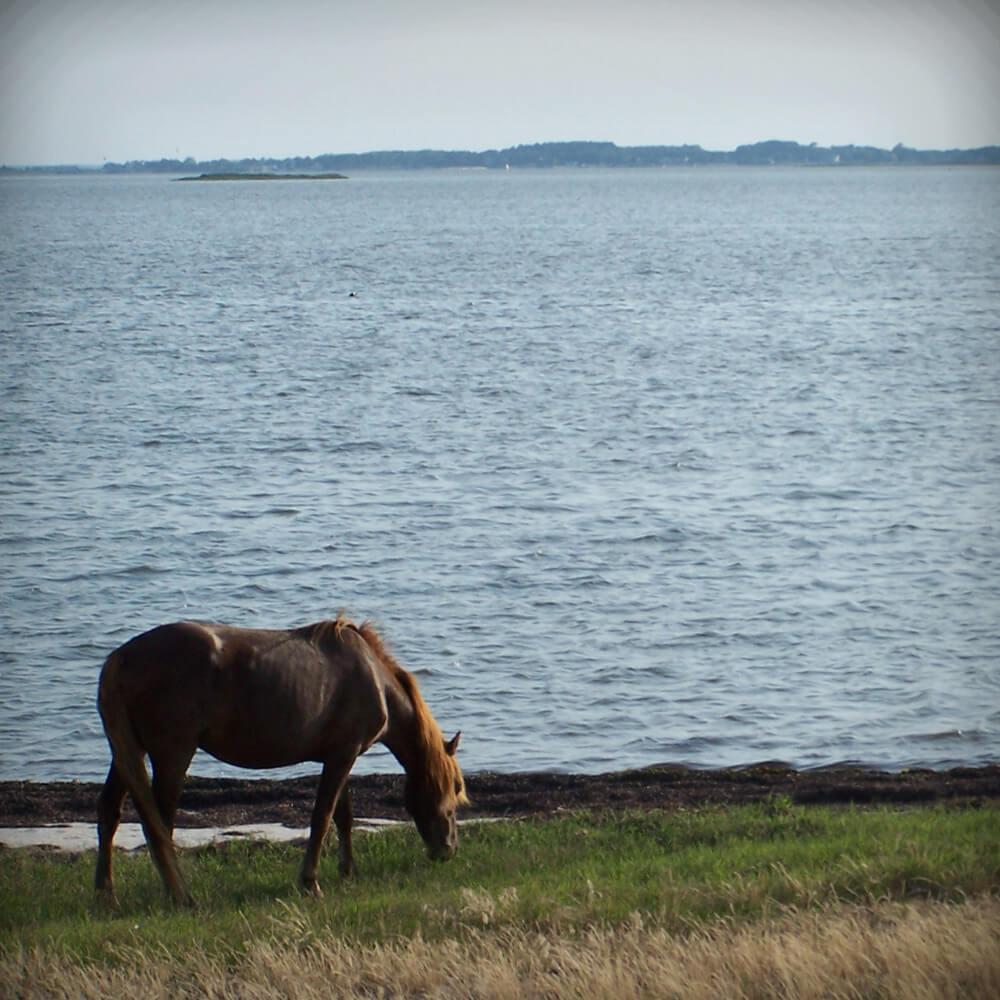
{"type": "Point", "coordinates": [776, 151]}
{"type": "Point", "coordinates": [565, 154]}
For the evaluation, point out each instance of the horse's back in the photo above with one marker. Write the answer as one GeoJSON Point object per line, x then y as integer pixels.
{"type": "Point", "coordinates": [252, 697]}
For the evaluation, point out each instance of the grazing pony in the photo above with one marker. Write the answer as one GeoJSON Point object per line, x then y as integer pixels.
{"type": "Point", "coordinates": [265, 698]}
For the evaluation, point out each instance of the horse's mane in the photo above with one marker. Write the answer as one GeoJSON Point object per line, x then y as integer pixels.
{"type": "Point", "coordinates": [442, 768]}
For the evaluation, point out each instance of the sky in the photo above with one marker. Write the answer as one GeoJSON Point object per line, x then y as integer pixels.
{"type": "Point", "coordinates": [89, 81]}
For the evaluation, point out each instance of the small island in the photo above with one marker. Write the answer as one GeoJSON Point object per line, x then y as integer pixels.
{"type": "Point", "coordinates": [231, 176]}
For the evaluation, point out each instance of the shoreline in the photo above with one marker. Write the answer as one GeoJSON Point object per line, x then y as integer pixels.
{"type": "Point", "coordinates": [264, 176]}
{"type": "Point", "coordinates": [224, 802]}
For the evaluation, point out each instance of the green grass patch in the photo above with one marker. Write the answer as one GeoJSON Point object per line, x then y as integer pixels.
{"type": "Point", "coordinates": [675, 871]}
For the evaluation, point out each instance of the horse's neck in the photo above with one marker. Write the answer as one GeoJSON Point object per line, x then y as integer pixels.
{"type": "Point", "coordinates": [400, 734]}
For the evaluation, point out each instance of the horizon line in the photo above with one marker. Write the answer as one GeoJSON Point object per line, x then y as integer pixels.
{"type": "Point", "coordinates": [552, 143]}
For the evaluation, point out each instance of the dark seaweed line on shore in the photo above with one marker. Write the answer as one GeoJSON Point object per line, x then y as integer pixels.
{"type": "Point", "coordinates": [228, 801]}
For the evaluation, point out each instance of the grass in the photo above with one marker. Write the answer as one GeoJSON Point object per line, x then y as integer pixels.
{"type": "Point", "coordinates": [635, 884]}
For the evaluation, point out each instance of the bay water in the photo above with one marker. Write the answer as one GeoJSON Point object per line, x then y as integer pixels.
{"type": "Point", "coordinates": [630, 466]}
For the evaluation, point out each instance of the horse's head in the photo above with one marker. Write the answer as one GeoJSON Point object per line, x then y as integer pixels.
{"type": "Point", "coordinates": [432, 798]}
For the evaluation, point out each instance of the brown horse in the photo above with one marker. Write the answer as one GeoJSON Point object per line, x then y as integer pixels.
{"type": "Point", "coordinates": [259, 699]}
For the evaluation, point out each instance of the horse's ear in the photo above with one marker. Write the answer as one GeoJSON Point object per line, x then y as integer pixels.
{"type": "Point", "coordinates": [451, 746]}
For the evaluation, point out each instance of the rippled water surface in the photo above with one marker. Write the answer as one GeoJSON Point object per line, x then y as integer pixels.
{"type": "Point", "coordinates": [696, 466]}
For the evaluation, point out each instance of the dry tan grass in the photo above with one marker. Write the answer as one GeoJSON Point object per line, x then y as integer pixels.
{"type": "Point", "coordinates": [897, 952]}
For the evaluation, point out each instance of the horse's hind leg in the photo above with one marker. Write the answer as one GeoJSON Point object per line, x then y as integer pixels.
{"type": "Point", "coordinates": [128, 768]}
{"type": "Point", "coordinates": [159, 835]}
{"type": "Point", "coordinates": [109, 814]}
{"type": "Point", "coordinates": [157, 812]}
{"type": "Point", "coordinates": [161, 846]}
{"type": "Point", "coordinates": [168, 781]}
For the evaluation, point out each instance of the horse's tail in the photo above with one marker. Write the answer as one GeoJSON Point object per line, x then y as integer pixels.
{"type": "Point", "coordinates": [128, 756]}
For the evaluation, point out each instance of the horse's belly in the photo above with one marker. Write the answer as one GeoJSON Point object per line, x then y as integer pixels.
{"type": "Point", "coordinates": [257, 750]}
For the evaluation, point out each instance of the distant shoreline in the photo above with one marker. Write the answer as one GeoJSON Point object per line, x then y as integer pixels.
{"type": "Point", "coordinates": [773, 152]}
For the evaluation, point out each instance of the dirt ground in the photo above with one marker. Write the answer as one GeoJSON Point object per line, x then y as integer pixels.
{"type": "Point", "coordinates": [228, 802]}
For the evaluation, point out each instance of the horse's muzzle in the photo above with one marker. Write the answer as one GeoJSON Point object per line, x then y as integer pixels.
{"type": "Point", "coordinates": [442, 852]}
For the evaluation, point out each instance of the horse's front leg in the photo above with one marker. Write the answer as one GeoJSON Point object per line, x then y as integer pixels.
{"type": "Point", "coordinates": [343, 816]}
{"type": "Point", "coordinates": [331, 784]}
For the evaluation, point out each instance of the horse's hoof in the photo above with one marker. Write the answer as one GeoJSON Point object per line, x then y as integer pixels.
{"type": "Point", "coordinates": [311, 888]}
{"type": "Point", "coordinates": [182, 897]}
{"type": "Point", "coordinates": [106, 900]}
